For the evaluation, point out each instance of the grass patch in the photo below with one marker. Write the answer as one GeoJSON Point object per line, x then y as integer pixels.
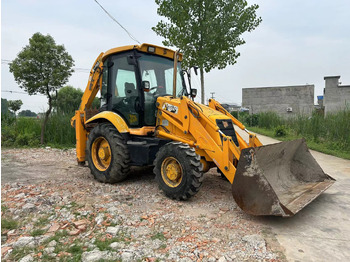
{"type": "Point", "coordinates": [159, 236]}
{"type": "Point", "coordinates": [41, 221]}
{"type": "Point", "coordinates": [58, 235]}
{"type": "Point", "coordinates": [72, 205]}
{"type": "Point", "coordinates": [8, 224]}
{"type": "Point", "coordinates": [4, 208]}
{"type": "Point", "coordinates": [104, 243]}
{"type": "Point", "coordinates": [18, 253]}
{"type": "Point", "coordinates": [324, 147]}
{"type": "Point", "coordinates": [37, 232]}
{"type": "Point", "coordinates": [162, 246]}
{"type": "Point", "coordinates": [46, 257]}
{"type": "Point", "coordinates": [25, 131]}
{"type": "Point", "coordinates": [328, 134]}
{"type": "Point", "coordinates": [76, 250]}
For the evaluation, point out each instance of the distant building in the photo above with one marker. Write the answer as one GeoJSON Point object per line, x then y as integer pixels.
{"type": "Point", "coordinates": [320, 101]}
{"type": "Point", "coordinates": [319, 107]}
{"type": "Point", "coordinates": [336, 96]}
{"type": "Point", "coordinates": [284, 100]}
{"type": "Point", "coordinates": [231, 107]}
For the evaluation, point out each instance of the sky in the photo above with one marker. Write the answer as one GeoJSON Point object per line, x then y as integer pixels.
{"type": "Point", "coordinates": [298, 42]}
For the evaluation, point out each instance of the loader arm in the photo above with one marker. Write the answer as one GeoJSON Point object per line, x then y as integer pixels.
{"type": "Point", "coordinates": [191, 125]}
{"type": "Point", "coordinates": [78, 120]}
{"type": "Point", "coordinates": [253, 139]}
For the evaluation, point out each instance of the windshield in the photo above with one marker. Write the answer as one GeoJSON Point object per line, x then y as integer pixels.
{"type": "Point", "coordinates": [159, 71]}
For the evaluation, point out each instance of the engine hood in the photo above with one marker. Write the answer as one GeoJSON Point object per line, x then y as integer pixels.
{"type": "Point", "coordinates": [212, 114]}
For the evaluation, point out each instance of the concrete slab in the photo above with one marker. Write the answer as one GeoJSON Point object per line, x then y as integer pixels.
{"type": "Point", "coordinates": [321, 231]}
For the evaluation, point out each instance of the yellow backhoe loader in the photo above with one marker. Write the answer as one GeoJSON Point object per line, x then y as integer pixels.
{"type": "Point", "coordinates": [148, 117]}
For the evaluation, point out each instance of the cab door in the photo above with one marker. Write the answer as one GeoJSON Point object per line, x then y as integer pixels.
{"type": "Point", "coordinates": [123, 93]}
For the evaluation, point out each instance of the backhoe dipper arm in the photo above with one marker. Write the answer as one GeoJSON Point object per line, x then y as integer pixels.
{"type": "Point", "coordinates": [93, 85]}
{"type": "Point", "coordinates": [79, 118]}
{"type": "Point", "coordinates": [253, 139]}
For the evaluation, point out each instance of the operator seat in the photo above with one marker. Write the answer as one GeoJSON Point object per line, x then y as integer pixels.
{"type": "Point", "coordinates": [130, 90]}
{"type": "Point", "coordinates": [130, 104]}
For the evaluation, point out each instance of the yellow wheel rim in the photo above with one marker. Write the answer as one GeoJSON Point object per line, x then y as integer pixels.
{"type": "Point", "coordinates": [101, 153]}
{"type": "Point", "coordinates": [172, 172]}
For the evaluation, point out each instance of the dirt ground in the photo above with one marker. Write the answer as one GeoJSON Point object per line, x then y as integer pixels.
{"type": "Point", "coordinates": [138, 222]}
{"type": "Point", "coordinates": [209, 227]}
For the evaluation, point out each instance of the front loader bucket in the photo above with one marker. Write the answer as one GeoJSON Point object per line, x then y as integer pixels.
{"type": "Point", "coordinates": [278, 179]}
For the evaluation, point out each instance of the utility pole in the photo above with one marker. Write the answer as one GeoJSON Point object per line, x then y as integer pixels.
{"type": "Point", "coordinates": [212, 94]}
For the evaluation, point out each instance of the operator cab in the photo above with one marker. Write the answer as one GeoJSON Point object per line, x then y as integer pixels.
{"type": "Point", "coordinates": [132, 81]}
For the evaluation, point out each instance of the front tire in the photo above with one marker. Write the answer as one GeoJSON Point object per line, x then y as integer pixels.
{"type": "Point", "coordinates": [107, 153]}
{"type": "Point", "coordinates": [178, 170]}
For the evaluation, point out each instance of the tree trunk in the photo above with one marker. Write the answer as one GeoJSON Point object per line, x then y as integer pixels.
{"type": "Point", "coordinates": [47, 114]}
{"type": "Point", "coordinates": [202, 86]}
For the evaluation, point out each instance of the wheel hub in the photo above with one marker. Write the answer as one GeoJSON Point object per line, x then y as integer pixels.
{"type": "Point", "coordinates": [172, 172]}
{"type": "Point", "coordinates": [101, 153]}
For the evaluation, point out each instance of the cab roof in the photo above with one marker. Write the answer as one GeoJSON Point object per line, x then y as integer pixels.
{"type": "Point", "coordinates": [146, 48]}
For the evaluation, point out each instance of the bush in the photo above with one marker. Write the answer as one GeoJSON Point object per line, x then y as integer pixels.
{"type": "Point", "coordinates": [249, 120]}
{"type": "Point", "coordinates": [59, 131]}
{"type": "Point", "coordinates": [280, 131]}
{"type": "Point", "coordinates": [26, 131]}
{"type": "Point", "coordinates": [234, 114]}
{"type": "Point", "coordinates": [269, 120]}
{"type": "Point", "coordinates": [28, 139]}
{"type": "Point", "coordinates": [264, 120]}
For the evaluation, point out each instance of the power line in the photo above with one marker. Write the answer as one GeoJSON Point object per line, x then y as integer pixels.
{"type": "Point", "coordinates": [17, 92]}
{"type": "Point", "coordinates": [76, 69]}
{"type": "Point", "coordinates": [81, 69]}
{"type": "Point", "coordinates": [115, 20]}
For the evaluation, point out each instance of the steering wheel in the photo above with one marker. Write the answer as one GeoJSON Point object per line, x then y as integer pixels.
{"type": "Point", "coordinates": [158, 91]}
{"type": "Point", "coordinates": [155, 87]}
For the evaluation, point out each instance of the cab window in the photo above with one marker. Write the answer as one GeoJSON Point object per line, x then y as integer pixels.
{"type": "Point", "coordinates": [125, 94]}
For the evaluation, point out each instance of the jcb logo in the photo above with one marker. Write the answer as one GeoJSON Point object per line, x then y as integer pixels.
{"type": "Point", "coordinates": [170, 108]}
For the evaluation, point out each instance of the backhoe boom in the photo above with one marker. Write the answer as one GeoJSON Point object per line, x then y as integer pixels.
{"type": "Point", "coordinates": [79, 119]}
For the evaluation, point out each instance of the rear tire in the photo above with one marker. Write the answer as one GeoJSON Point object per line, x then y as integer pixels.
{"type": "Point", "coordinates": [178, 170]}
{"type": "Point", "coordinates": [107, 153]}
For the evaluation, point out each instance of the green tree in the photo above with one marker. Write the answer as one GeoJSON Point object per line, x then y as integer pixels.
{"type": "Point", "coordinates": [42, 67]}
{"type": "Point", "coordinates": [27, 113]}
{"type": "Point", "coordinates": [207, 31]}
{"type": "Point", "coordinates": [4, 106]}
{"type": "Point", "coordinates": [68, 100]}
{"type": "Point", "coordinates": [15, 105]}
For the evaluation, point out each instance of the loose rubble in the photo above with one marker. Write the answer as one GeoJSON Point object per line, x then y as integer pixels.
{"type": "Point", "coordinates": [63, 214]}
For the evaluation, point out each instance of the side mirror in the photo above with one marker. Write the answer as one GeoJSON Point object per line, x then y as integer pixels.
{"type": "Point", "coordinates": [193, 92]}
{"type": "Point", "coordinates": [146, 86]}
